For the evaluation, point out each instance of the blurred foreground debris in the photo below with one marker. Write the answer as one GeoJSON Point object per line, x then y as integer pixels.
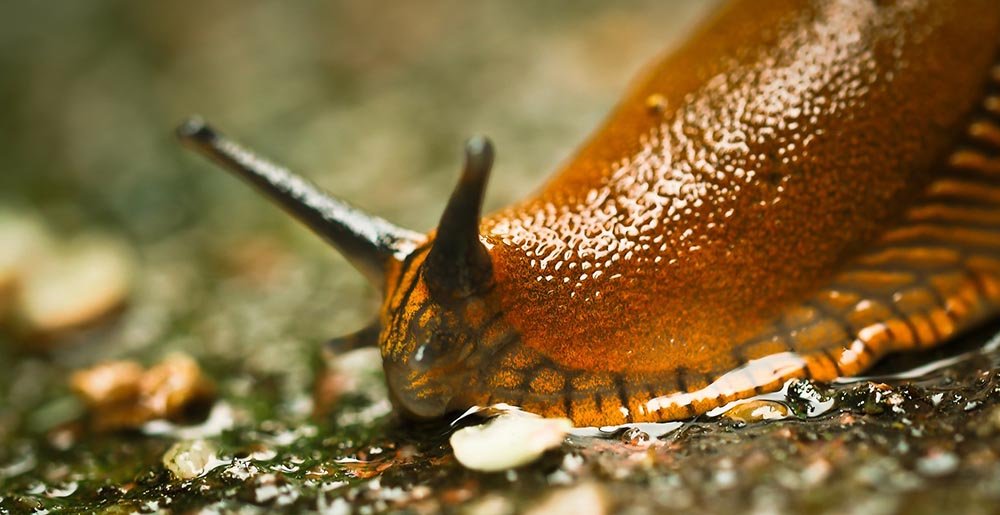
{"type": "Point", "coordinates": [123, 395]}
{"type": "Point", "coordinates": [49, 289]}
{"type": "Point", "coordinates": [583, 499]}
{"type": "Point", "coordinates": [22, 239]}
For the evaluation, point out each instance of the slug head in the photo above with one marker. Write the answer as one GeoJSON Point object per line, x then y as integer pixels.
{"type": "Point", "coordinates": [440, 300]}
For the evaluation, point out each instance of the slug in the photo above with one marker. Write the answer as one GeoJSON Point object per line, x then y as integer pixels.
{"type": "Point", "coordinates": [801, 188]}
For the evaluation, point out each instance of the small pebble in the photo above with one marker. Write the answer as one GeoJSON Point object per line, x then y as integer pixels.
{"type": "Point", "coordinates": [634, 436]}
{"type": "Point", "coordinates": [756, 411]}
{"type": "Point", "coordinates": [508, 441]}
{"type": "Point", "coordinates": [584, 499]}
{"type": "Point", "coordinates": [108, 383]}
{"type": "Point", "coordinates": [169, 387]}
{"type": "Point", "coordinates": [190, 459]}
{"type": "Point", "coordinates": [937, 464]}
{"type": "Point", "coordinates": [816, 472]}
{"type": "Point", "coordinates": [725, 478]}
{"type": "Point", "coordinates": [74, 286]}
{"type": "Point", "coordinates": [122, 395]}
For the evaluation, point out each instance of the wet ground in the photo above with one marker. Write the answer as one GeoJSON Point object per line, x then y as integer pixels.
{"type": "Point", "coordinates": [373, 105]}
{"type": "Point", "coordinates": [924, 439]}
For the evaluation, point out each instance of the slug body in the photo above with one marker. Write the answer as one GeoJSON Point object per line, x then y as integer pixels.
{"type": "Point", "coordinates": [800, 189]}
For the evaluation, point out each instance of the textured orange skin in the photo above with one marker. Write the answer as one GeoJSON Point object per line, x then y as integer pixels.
{"type": "Point", "coordinates": [783, 155]}
{"type": "Point", "coordinates": [736, 178]}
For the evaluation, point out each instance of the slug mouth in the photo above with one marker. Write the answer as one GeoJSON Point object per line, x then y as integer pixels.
{"type": "Point", "coordinates": [419, 395]}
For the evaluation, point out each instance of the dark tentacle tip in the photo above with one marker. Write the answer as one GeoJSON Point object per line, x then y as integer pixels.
{"type": "Point", "coordinates": [458, 264]}
{"type": "Point", "coordinates": [195, 129]}
{"type": "Point", "coordinates": [478, 157]}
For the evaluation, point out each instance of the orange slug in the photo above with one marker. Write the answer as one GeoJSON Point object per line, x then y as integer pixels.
{"type": "Point", "coordinates": [801, 188]}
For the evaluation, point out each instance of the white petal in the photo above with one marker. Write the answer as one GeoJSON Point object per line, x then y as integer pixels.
{"type": "Point", "coordinates": [508, 441]}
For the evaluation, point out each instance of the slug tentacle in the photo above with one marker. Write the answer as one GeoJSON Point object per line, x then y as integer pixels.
{"type": "Point", "coordinates": [458, 264]}
{"type": "Point", "coordinates": [367, 241]}
{"type": "Point", "coordinates": [364, 337]}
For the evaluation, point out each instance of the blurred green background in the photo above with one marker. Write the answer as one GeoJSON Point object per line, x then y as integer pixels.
{"type": "Point", "coordinates": [372, 100]}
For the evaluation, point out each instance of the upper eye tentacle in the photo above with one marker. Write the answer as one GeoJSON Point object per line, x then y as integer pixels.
{"type": "Point", "coordinates": [458, 264]}
{"type": "Point", "coordinates": [370, 243]}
